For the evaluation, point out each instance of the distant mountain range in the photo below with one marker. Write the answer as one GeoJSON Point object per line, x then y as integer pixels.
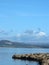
{"type": "Point", "coordinates": [6, 43]}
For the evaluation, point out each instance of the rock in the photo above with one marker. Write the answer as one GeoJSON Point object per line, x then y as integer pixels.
{"type": "Point", "coordinates": [42, 58]}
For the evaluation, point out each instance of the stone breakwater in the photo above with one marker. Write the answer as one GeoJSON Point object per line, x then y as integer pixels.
{"type": "Point", "coordinates": [42, 58]}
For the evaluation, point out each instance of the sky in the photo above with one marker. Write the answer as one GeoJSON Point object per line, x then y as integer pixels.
{"type": "Point", "coordinates": [17, 16]}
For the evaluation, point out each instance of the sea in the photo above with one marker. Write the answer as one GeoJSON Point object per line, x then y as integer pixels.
{"type": "Point", "coordinates": [7, 53]}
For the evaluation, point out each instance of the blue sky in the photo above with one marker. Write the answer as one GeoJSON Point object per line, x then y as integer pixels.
{"type": "Point", "coordinates": [16, 16]}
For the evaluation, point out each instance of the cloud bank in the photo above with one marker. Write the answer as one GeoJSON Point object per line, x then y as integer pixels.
{"type": "Point", "coordinates": [32, 36]}
{"type": "Point", "coordinates": [32, 33]}
{"type": "Point", "coordinates": [27, 36]}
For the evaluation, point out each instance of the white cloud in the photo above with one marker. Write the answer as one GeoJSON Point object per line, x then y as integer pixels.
{"type": "Point", "coordinates": [32, 34]}
{"type": "Point", "coordinates": [41, 34]}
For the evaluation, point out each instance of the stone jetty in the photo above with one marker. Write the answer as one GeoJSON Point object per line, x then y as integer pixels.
{"type": "Point", "coordinates": [42, 58]}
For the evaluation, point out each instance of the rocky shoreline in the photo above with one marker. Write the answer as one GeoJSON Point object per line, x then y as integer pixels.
{"type": "Point", "coordinates": [42, 58]}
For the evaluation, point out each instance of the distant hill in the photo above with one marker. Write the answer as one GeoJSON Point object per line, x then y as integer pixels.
{"type": "Point", "coordinates": [7, 43]}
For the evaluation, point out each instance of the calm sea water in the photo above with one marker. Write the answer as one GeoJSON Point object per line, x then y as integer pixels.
{"type": "Point", "coordinates": [7, 53]}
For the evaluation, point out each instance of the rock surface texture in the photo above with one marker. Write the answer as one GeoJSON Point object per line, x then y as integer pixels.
{"type": "Point", "coordinates": [42, 58]}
